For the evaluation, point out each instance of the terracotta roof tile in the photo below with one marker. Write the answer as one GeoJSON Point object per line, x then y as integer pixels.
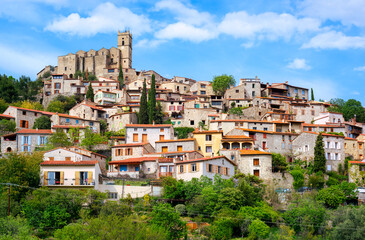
{"type": "Point", "coordinates": [253, 152]}
{"type": "Point", "coordinates": [80, 163]}
{"type": "Point", "coordinates": [35, 131]}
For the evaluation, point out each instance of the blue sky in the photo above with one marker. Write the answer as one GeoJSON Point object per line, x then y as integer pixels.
{"type": "Point", "coordinates": [310, 43]}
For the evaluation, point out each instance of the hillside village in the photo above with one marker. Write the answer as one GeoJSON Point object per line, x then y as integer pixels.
{"type": "Point", "coordinates": [200, 132]}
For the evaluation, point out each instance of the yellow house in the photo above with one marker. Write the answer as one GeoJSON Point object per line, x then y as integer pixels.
{"type": "Point", "coordinates": [209, 142]}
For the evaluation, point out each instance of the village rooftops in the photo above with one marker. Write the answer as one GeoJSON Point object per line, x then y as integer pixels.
{"type": "Point", "coordinates": [205, 159]}
{"type": "Point", "coordinates": [268, 132]}
{"type": "Point", "coordinates": [148, 125]}
{"type": "Point", "coordinates": [253, 152]}
{"type": "Point", "coordinates": [207, 131]}
{"type": "Point", "coordinates": [35, 131]}
{"type": "Point", "coordinates": [325, 134]}
{"type": "Point", "coordinates": [68, 126]}
{"type": "Point", "coordinates": [134, 160]}
{"type": "Point", "coordinates": [69, 163]}
{"type": "Point", "coordinates": [6, 116]}
{"type": "Point", "coordinates": [177, 140]}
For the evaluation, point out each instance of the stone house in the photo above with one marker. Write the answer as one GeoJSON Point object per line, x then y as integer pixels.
{"type": "Point", "coordinates": [193, 116]}
{"type": "Point", "coordinates": [207, 166]}
{"type": "Point", "coordinates": [202, 88]}
{"type": "Point", "coordinates": [177, 145]}
{"type": "Point", "coordinates": [25, 140]}
{"type": "Point", "coordinates": [176, 87]}
{"type": "Point", "coordinates": [103, 84]}
{"type": "Point", "coordinates": [61, 84]}
{"type": "Point", "coordinates": [88, 110]}
{"type": "Point", "coordinates": [131, 150]}
{"type": "Point", "coordinates": [329, 118]}
{"type": "Point", "coordinates": [307, 111]}
{"type": "Point", "coordinates": [337, 128]}
{"type": "Point", "coordinates": [208, 142]}
{"type": "Point", "coordinates": [253, 162]}
{"type": "Point", "coordinates": [137, 133]}
{"type": "Point", "coordinates": [285, 90]}
{"type": "Point", "coordinates": [60, 120]}
{"type": "Point", "coordinates": [118, 121]}
{"type": "Point", "coordinates": [252, 87]}
{"type": "Point", "coordinates": [139, 167]}
{"type": "Point", "coordinates": [354, 148]}
{"type": "Point", "coordinates": [238, 92]}
{"type": "Point", "coordinates": [63, 167]}
{"type": "Point", "coordinates": [227, 125]}
{"type": "Point", "coordinates": [353, 129]}
{"type": "Point", "coordinates": [303, 147]}
{"type": "Point", "coordinates": [103, 97]}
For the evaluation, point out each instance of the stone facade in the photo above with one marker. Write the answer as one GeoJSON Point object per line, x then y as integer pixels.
{"type": "Point", "coordinates": [177, 145]}
{"type": "Point", "coordinates": [96, 61]}
{"type": "Point", "coordinates": [137, 133]}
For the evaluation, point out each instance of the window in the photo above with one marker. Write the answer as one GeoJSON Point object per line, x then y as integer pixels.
{"type": "Point", "coordinates": [265, 129]}
{"type": "Point", "coordinates": [303, 92]}
{"type": "Point", "coordinates": [181, 168]}
{"type": "Point", "coordinates": [112, 195]}
{"type": "Point", "coordinates": [25, 149]}
{"type": "Point", "coordinates": [67, 120]}
{"type": "Point", "coordinates": [253, 85]}
{"type": "Point", "coordinates": [253, 93]}
{"type": "Point", "coordinates": [202, 92]}
{"type": "Point", "coordinates": [57, 85]}
{"type": "Point", "coordinates": [283, 145]}
{"type": "Point", "coordinates": [336, 156]}
{"type": "Point", "coordinates": [328, 156]}
{"type": "Point", "coordinates": [54, 178]}
{"type": "Point", "coordinates": [208, 149]}
{"type": "Point", "coordinates": [303, 112]}
{"type": "Point", "coordinates": [237, 91]}
{"type": "Point", "coordinates": [313, 112]}
{"type": "Point", "coordinates": [210, 168]}
{"type": "Point", "coordinates": [328, 145]}
{"type": "Point", "coordinates": [336, 144]}
{"type": "Point", "coordinates": [202, 86]}
{"type": "Point", "coordinates": [144, 138]}
{"type": "Point", "coordinates": [264, 135]}
{"type": "Point", "coordinates": [208, 138]}
{"type": "Point", "coordinates": [179, 148]}
{"type": "Point", "coordinates": [219, 169]}
{"type": "Point", "coordinates": [162, 137]}
{"type": "Point", "coordinates": [42, 140]}
{"type": "Point", "coordinates": [256, 162]}
{"type": "Point", "coordinates": [193, 167]}
{"type": "Point", "coordinates": [26, 140]}
{"type": "Point", "coordinates": [191, 122]}
{"type": "Point", "coordinates": [164, 149]}
{"type": "Point", "coordinates": [162, 130]}
{"type": "Point", "coordinates": [24, 113]}
{"type": "Point", "coordinates": [23, 124]}
{"type": "Point", "coordinates": [254, 128]}
{"type": "Point", "coordinates": [135, 137]}
{"type": "Point", "coordinates": [84, 178]}
{"type": "Point", "coordinates": [256, 173]}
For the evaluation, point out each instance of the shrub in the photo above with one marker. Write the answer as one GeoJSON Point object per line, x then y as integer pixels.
{"type": "Point", "coordinates": [258, 230]}
{"type": "Point", "coordinates": [332, 196]}
{"type": "Point", "coordinates": [298, 178]}
{"type": "Point", "coordinates": [181, 209]}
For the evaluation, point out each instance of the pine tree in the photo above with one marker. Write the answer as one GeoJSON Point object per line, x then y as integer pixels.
{"type": "Point", "coordinates": [152, 100]}
{"type": "Point", "coordinates": [159, 114]}
{"type": "Point", "coordinates": [312, 94]}
{"type": "Point", "coordinates": [319, 156]}
{"type": "Point", "coordinates": [121, 77]}
{"type": "Point", "coordinates": [90, 93]}
{"type": "Point", "coordinates": [143, 109]}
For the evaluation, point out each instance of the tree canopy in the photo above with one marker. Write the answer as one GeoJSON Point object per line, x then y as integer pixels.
{"type": "Point", "coordinates": [222, 83]}
{"type": "Point", "coordinates": [319, 155]}
{"type": "Point", "coordinates": [348, 108]}
{"type": "Point", "coordinates": [42, 122]}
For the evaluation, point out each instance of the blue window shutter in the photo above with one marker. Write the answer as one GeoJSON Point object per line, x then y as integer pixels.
{"type": "Point", "coordinates": [45, 140]}
{"type": "Point", "coordinates": [22, 140]}
{"type": "Point", "coordinates": [30, 140]}
{"type": "Point", "coordinates": [39, 140]}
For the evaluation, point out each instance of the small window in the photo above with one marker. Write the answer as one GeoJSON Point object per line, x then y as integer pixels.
{"type": "Point", "coordinates": [208, 138]}
{"type": "Point", "coordinates": [208, 149]}
{"type": "Point", "coordinates": [256, 173]}
{"type": "Point", "coordinates": [210, 168]}
{"type": "Point", "coordinates": [256, 162]}
{"type": "Point", "coordinates": [191, 122]}
{"type": "Point", "coordinates": [162, 130]}
{"type": "Point", "coordinates": [193, 167]}
{"type": "Point", "coordinates": [181, 168]}
{"type": "Point", "coordinates": [24, 113]}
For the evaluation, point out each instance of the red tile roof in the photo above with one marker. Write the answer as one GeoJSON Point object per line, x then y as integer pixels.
{"type": "Point", "coordinates": [130, 145]}
{"type": "Point", "coordinates": [69, 163]}
{"type": "Point", "coordinates": [254, 152]}
{"type": "Point", "coordinates": [6, 116]}
{"type": "Point", "coordinates": [205, 159]}
{"type": "Point", "coordinates": [176, 140]}
{"type": "Point", "coordinates": [325, 134]}
{"type": "Point", "coordinates": [68, 126]}
{"type": "Point", "coordinates": [209, 131]}
{"type": "Point", "coordinates": [35, 131]}
{"type": "Point", "coordinates": [149, 125]}
{"type": "Point", "coordinates": [357, 162]}
{"type": "Point", "coordinates": [134, 160]}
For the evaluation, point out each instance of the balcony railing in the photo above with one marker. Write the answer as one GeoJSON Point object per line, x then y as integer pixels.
{"type": "Point", "coordinates": [165, 174]}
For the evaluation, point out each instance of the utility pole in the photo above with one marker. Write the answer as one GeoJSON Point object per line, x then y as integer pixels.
{"type": "Point", "coordinates": [8, 200]}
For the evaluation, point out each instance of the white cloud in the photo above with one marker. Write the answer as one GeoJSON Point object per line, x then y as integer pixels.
{"type": "Point", "coordinates": [348, 12]}
{"type": "Point", "coordinates": [299, 63]}
{"type": "Point", "coordinates": [362, 69]}
{"type": "Point", "coordinates": [104, 18]}
{"type": "Point", "coordinates": [267, 25]}
{"type": "Point", "coordinates": [185, 31]}
{"type": "Point", "coordinates": [146, 43]}
{"type": "Point", "coordinates": [335, 40]}
{"type": "Point", "coordinates": [184, 14]}
{"type": "Point", "coordinates": [23, 61]}
{"type": "Point", "coordinates": [355, 93]}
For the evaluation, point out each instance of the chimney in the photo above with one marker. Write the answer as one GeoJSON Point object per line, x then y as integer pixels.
{"type": "Point", "coordinates": [153, 122]}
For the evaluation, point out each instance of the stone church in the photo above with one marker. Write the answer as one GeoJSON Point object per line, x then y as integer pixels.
{"type": "Point", "coordinates": [98, 62]}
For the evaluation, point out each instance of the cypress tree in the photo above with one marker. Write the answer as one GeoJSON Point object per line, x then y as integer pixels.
{"type": "Point", "coordinates": [312, 94]}
{"type": "Point", "coordinates": [143, 110]}
{"type": "Point", "coordinates": [90, 93]}
{"type": "Point", "coordinates": [319, 157]}
{"type": "Point", "coordinates": [120, 77]}
{"type": "Point", "coordinates": [152, 109]}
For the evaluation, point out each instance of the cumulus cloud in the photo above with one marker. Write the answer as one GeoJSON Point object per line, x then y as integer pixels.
{"type": "Point", "coordinates": [335, 40]}
{"type": "Point", "coordinates": [267, 25]}
{"type": "Point", "coordinates": [104, 18]}
{"type": "Point", "coordinates": [185, 31]}
{"type": "Point", "coordinates": [299, 63]}
{"type": "Point", "coordinates": [348, 12]}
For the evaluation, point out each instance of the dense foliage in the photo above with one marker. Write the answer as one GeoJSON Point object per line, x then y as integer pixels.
{"type": "Point", "coordinates": [42, 122]}
{"type": "Point", "coordinates": [183, 132]}
{"type": "Point", "coordinates": [319, 157]}
{"type": "Point", "coordinates": [221, 83]}
{"type": "Point", "coordinates": [348, 108]}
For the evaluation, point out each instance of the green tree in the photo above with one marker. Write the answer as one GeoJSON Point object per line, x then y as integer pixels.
{"type": "Point", "coordinates": [165, 216]}
{"type": "Point", "coordinates": [306, 215]}
{"type": "Point", "coordinates": [20, 169]}
{"type": "Point", "coordinates": [95, 201]}
{"type": "Point", "coordinates": [348, 223]}
{"type": "Point", "coordinates": [90, 93]}
{"type": "Point", "coordinates": [120, 77]}
{"type": "Point", "coordinates": [74, 135]}
{"type": "Point", "coordinates": [183, 132]}
{"type": "Point", "coordinates": [298, 177]}
{"type": "Point", "coordinates": [8, 91]}
{"type": "Point", "coordinates": [152, 100]}
{"type": "Point", "coordinates": [319, 157]}
{"type": "Point", "coordinates": [258, 230]}
{"type": "Point", "coordinates": [111, 227]}
{"type": "Point", "coordinates": [3, 105]}
{"type": "Point", "coordinates": [56, 106]}
{"type": "Point", "coordinates": [69, 102]}
{"type": "Point", "coordinates": [29, 105]}
{"type": "Point", "coordinates": [236, 111]}
{"type": "Point", "coordinates": [58, 139]}
{"type": "Point", "coordinates": [279, 162]}
{"type": "Point", "coordinates": [103, 126]}
{"type": "Point", "coordinates": [42, 122]}
{"type": "Point", "coordinates": [222, 83]}
{"type": "Point", "coordinates": [332, 197]}
{"type": "Point", "coordinates": [312, 94]}
{"type": "Point", "coordinates": [337, 105]}
{"type": "Point", "coordinates": [159, 114]}
{"type": "Point", "coordinates": [90, 139]}
{"type": "Point", "coordinates": [7, 126]}
{"type": "Point", "coordinates": [15, 228]}
{"type": "Point", "coordinates": [143, 109]}
{"type": "Point", "coordinates": [353, 108]}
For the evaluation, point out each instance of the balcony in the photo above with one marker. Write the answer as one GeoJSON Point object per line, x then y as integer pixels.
{"type": "Point", "coordinates": [165, 174]}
